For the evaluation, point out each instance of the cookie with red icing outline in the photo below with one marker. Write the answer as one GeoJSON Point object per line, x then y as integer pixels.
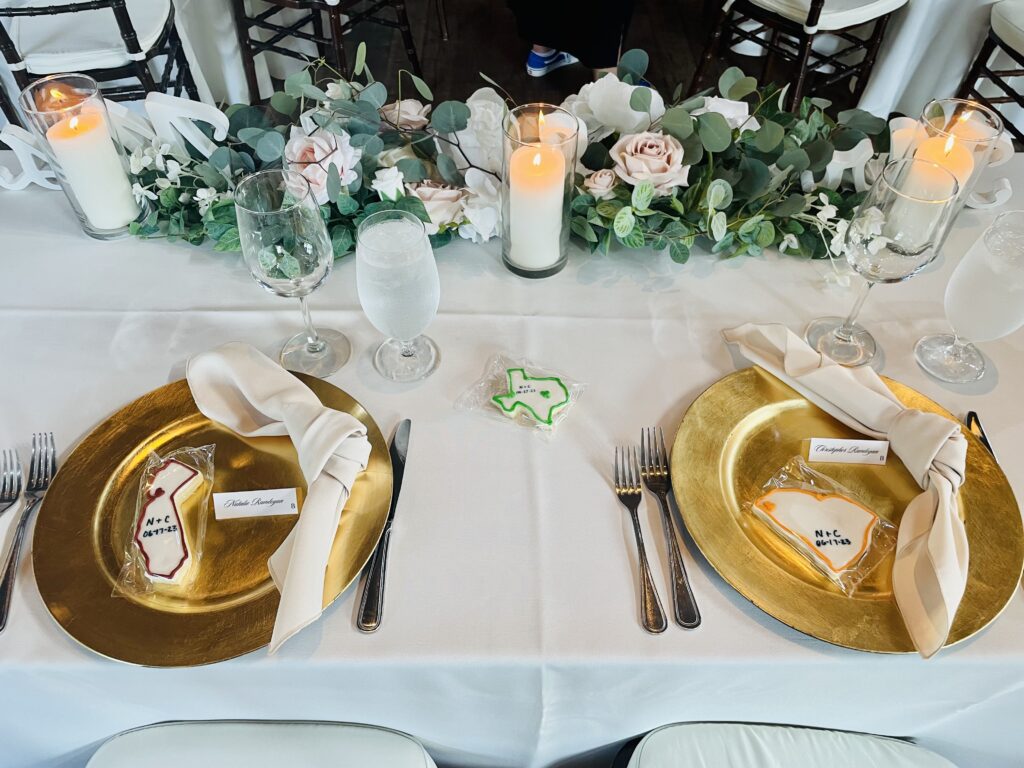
{"type": "Point", "coordinates": [160, 531]}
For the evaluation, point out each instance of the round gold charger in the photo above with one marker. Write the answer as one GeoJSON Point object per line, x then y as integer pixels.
{"type": "Point", "coordinates": [229, 609]}
{"type": "Point", "coordinates": [747, 425]}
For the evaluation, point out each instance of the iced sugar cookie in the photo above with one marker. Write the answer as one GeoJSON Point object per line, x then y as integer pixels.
{"type": "Point", "coordinates": [160, 533]}
{"type": "Point", "coordinates": [834, 530]}
{"type": "Point", "coordinates": [539, 397]}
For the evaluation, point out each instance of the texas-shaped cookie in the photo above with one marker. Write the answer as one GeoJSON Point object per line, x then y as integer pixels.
{"type": "Point", "coordinates": [539, 396]}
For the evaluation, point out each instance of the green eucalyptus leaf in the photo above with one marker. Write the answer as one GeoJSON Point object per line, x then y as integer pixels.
{"type": "Point", "coordinates": [221, 159]}
{"type": "Point", "coordinates": [693, 103]}
{"type": "Point", "coordinates": [765, 234]}
{"type": "Point", "coordinates": [333, 182]}
{"type": "Point", "coordinates": [719, 195]}
{"type": "Point", "coordinates": [295, 81]}
{"type": "Point", "coordinates": [341, 240]}
{"type": "Point", "coordinates": [248, 117]}
{"type": "Point", "coordinates": [596, 157]}
{"type": "Point", "coordinates": [413, 205]}
{"type": "Point", "coordinates": [624, 222]}
{"type": "Point", "coordinates": [360, 62]}
{"type": "Point", "coordinates": [729, 78]}
{"type": "Point", "coordinates": [791, 206]}
{"type": "Point", "coordinates": [375, 93]}
{"type": "Point", "coordinates": [750, 225]}
{"type": "Point", "coordinates": [371, 144]}
{"type": "Point", "coordinates": [860, 120]}
{"type": "Point", "coordinates": [311, 91]}
{"type": "Point", "coordinates": [581, 227]}
{"type": "Point", "coordinates": [693, 149]}
{"type": "Point", "coordinates": [642, 195]}
{"type": "Point", "coordinates": [794, 159]}
{"type": "Point", "coordinates": [755, 179]}
{"type": "Point", "coordinates": [679, 251]}
{"type": "Point", "coordinates": [250, 136]}
{"type": "Point", "coordinates": [421, 87]}
{"type": "Point", "coordinates": [449, 117]}
{"type": "Point", "coordinates": [741, 88]}
{"type": "Point", "coordinates": [719, 226]}
{"type": "Point", "coordinates": [270, 146]}
{"type": "Point", "coordinates": [449, 171]}
{"type": "Point", "coordinates": [819, 153]}
{"type": "Point", "coordinates": [769, 136]}
{"type": "Point", "coordinates": [845, 139]}
{"type": "Point", "coordinates": [724, 244]}
{"type": "Point", "coordinates": [346, 204]}
{"type": "Point", "coordinates": [640, 99]}
{"type": "Point", "coordinates": [634, 63]}
{"type": "Point", "coordinates": [412, 169]}
{"type": "Point", "coordinates": [283, 103]}
{"type": "Point", "coordinates": [677, 122]}
{"type": "Point", "coordinates": [715, 133]}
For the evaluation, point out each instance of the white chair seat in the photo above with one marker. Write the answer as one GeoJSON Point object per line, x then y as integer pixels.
{"type": "Point", "coordinates": [837, 14]}
{"type": "Point", "coordinates": [738, 745]}
{"type": "Point", "coordinates": [1008, 23]}
{"type": "Point", "coordinates": [72, 42]}
{"type": "Point", "coordinates": [260, 744]}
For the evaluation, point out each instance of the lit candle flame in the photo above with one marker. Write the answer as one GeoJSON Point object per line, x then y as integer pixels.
{"type": "Point", "coordinates": [949, 144]}
{"type": "Point", "coordinates": [540, 119]}
{"type": "Point", "coordinates": [57, 94]}
{"type": "Point", "coordinates": [966, 115]}
{"type": "Point", "coordinates": [537, 159]}
{"type": "Point", "coordinates": [73, 124]}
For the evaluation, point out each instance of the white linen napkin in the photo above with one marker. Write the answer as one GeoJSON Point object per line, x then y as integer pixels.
{"type": "Point", "coordinates": [930, 572]}
{"type": "Point", "coordinates": [243, 389]}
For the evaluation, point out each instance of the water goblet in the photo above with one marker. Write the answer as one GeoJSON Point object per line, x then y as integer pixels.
{"type": "Point", "coordinates": [399, 290]}
{"type": "Point", "coordinates": [892, 236]}
{"type": "Point", "coordinates": [287, 250]}
{"type": "Point", "coordinates": [984, 301]}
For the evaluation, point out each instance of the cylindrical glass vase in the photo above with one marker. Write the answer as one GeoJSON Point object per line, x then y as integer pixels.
{"type": "Point", "coordinates": [538, 167]}
{"type": "Point", "coordinates": [68, 114]}
{"type": "Point", "coordinates": [960, 136]}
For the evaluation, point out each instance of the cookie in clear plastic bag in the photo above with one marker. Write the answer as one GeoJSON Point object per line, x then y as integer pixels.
{"type": "Point", "coordinates": [165, 542]}
{"type": "Point", "coordinates": [825, 522]}
{"type": "Point", "coordinates": [519, 391]}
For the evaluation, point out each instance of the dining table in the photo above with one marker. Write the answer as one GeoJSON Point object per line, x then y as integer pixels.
{"type": "Point", "coordinates": [511, 634]}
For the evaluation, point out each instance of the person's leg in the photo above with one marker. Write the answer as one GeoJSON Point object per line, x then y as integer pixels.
{"type": "Point", "coordinates": [544, 59]}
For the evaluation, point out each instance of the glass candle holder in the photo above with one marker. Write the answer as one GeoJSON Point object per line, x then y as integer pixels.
{"type": "Point", "coordinates": [958, 135]}
{"type": "Point", "coordinates": [68, 114]}
{"type": "Point", "coordinates": [538, 167]}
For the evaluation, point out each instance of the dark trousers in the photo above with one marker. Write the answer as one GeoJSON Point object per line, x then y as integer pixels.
{"type": "Point", "coordinates": [591, 30]}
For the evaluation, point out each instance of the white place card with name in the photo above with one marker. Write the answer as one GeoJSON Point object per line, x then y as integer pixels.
{"type": "Point", "coordinates": [238, 504]}
{"type": "Point", "coordinates": [848, 451]}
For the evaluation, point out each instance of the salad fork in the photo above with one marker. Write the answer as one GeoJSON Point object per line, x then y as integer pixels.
{"type": "Point", "coordinates": [627, 488]}
{"type": "Point", "coordinates": [10, 479]}
{"type": "Point", "coordinates": [42, 468]}
{"type": "Point", "coordinates": [655, 472]}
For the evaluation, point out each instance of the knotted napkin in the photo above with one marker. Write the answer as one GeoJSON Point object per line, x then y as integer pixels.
{"type": "Point", "coordinates": [930, 572]}
{"type": "Point", "coordinates": [247, 392]}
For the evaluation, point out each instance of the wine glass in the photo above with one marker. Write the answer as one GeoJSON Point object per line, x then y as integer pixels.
{"type": "Point", "coordinates": [288, 252]}
{"type": "Point", "coordinates": [984, 301]}
{"type": "Point", "coordinates": [892, 237]}
{"type": "Point", "coordinates": [399, 289]}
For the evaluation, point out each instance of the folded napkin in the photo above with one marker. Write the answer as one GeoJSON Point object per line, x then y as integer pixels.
{"type": "Point", "coordinates": [247, 392]}
{"type": "Point", "coordinates": [930, 572]}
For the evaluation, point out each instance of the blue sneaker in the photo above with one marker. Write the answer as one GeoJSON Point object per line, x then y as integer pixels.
{"type": "Point", "coordinates": [538, 65]}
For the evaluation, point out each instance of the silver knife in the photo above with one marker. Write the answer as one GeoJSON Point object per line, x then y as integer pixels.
{"type": "Point", "coordinates": [371, 604]}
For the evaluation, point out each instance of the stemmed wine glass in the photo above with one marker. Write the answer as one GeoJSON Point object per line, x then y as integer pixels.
{"type": "Point", "coordinates": [984, 301]}
{"type": "Point", "coordinates": [892, 236]}
{"type": "Point", "coordinates": [400, 290]}
{"type": "Point", "coordinates": [286, 247]}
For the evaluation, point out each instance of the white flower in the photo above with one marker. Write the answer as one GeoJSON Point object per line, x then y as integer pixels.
{"type": "Point", "coordinates": [877, 244]}
{"type": "Point", "coordinates": [387, 183]}
{"type": "Point", "coordinates": [604, 107]}
{"type": "Point", "coordinates": [173, 171]}
{"type": "Point", "coordinates": [338, 91]}
{"type": "Point", "coordinates": [871, 221]}
{"type": "Point", "coordinates": [141, 193]}
{"type": "Point", "coordinates": [313, 155]}
{"type": "Point", "coordinates": [184, 197]}
{"type": "Point", "coordinates": [601, 184]}
{"type": "Point", "coordinates": [163, 183]}
{"type": "Point", "coordinates": [839, 237]}
{"type": "Point", "coordinates": [306, 121]}
{"type": "Point", "coordinates": [480, 207]}
{"type": "Point", "coordinates": [391, 156]}
{"type": "Point", "coordinates": [736, 113]}
{"type": "Point", "coordinates": [482, 138]}
{"type": "Point", "coordinates": [442, 201]}
{"type": "Point", "coordinates": [789, 243]}
{"type": "Point", "coordinates": [407, 114]}
{"type": "Point", "coordinates": [827, 212]}
{"type": "Point", "coordinates": [205, 198]}
{"type": "Point", "coordinates": [139, 161]}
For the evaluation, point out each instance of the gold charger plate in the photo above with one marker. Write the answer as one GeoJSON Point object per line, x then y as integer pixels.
{"type": "Point", "coordinates": [747, 425]}
{"type": "Point", "coordinates": [78, 548]}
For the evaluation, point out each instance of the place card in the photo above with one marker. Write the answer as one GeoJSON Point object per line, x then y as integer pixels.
{"type": "Point", "coordinates": [848, 451]}
{"type": "Point", "coordinates": [238, 504]}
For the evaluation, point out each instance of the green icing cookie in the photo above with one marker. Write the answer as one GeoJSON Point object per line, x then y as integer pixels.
{"type": "Point", "coordinates": [538, 396]}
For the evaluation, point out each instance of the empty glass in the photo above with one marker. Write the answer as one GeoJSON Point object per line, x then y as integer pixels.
{"type": "Point", "coordinates": [891, 237]}
{"type": "Point", "coordinates": [288, 252]}
{"type": "Point", "coordinates": [984, 301]}
{"type": "Point", "coordinates": [399, 289]}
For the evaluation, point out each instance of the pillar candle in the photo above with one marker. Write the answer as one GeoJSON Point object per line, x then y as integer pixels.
{"type": "Point", "coordinates": [947, 152]}
{"type": "Point", "coordinates": [536, 197]}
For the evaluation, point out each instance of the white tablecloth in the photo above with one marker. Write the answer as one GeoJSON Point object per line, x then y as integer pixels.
{"type": "Point", "coordinates": [511, 635]}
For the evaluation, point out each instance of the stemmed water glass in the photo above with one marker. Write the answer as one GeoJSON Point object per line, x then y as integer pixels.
{"type": "Point", "coordinates": [400, 290]}
{"type": "Point", "coordinates": [892, 236]}
{"type": "Point", "coordinates": [984, 301]}
{"type": "Point", "coordinates": [286, 247]}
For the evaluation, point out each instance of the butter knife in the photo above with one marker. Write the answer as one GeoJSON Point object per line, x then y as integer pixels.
{"type": "Point", "coordinates": [973, 423]}
{"type": "Point", "coordinates": [371, 604]}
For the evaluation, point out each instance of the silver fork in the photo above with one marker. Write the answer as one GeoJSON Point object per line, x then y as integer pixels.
{"type": "Point", "coordinates": [627, 488]}
{"type": "Point", "coordinates": [655, 473]}
{"type": "Point", "coordinates": [42, 468]}
{"type": "Point", "coordinates": [10, 479]}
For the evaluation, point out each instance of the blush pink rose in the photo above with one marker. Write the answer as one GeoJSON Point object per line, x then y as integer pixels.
{"type": "Point", "coordinates": [652, 157]}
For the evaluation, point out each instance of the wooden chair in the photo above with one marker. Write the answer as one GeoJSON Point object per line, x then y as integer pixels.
{"type": "Point", "coordinates": [1007, 36]}
{"type": "Point", "coordinates": [342, 16]}
{"type": "Point", "coordinates": [7, 108]}
{"type": "Point", "coordinates": [787, 29]}
{"type": "Point", "coordinates": [110, 40]}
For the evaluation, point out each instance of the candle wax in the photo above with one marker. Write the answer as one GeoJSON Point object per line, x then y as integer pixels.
{"type": "Point", "coordinates": [536, 199]}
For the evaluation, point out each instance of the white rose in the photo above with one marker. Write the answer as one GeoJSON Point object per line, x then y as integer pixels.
{"type": "Point", "coordinates": [306, 121]}
{"type": "Point", "coordinates": [388, 183]}
{"type": "Point", "coordinates": [338, 91]}
{"type": "Point", "coordinates": [443, 203]}
{"type": "Point", "coordinates": [653, 157]}
{"type": "Point", "coordinates": [601, 184]}
{"type": "Point", "coordinates": [604, 106]}
{"type": "Point", "coordinates": [480, 207]}
{"type": "Point", "coordinates": [736, 113]}
{"type": "Point", "coordinates": [407, 114]}
{"type": "Point", "coordinates": [481, 140]}
{"type": "Point", "coordinates": [313, 155]}
{"type": "Point", "coordinates": [391, 156]}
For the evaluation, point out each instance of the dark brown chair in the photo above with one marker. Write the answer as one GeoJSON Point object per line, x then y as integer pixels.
{"type": "Point", "coordinates": [310, 28]}
{"type": "Point", "coordinates": [787, 30]}
{"type": "Point", "coordinates": [1007, 36]}
{"type": "Point", "coordinates": [110, 40]}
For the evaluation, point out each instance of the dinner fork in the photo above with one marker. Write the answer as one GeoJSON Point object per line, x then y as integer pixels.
{"type": "Point", "coordinates": [10, 479]}
{"type": "Point", "coordinates": [655, 472]}
{"type": "Point", "coordinates": [627, 488]}
{"type": "Point", "coordinates": [42, 468]}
